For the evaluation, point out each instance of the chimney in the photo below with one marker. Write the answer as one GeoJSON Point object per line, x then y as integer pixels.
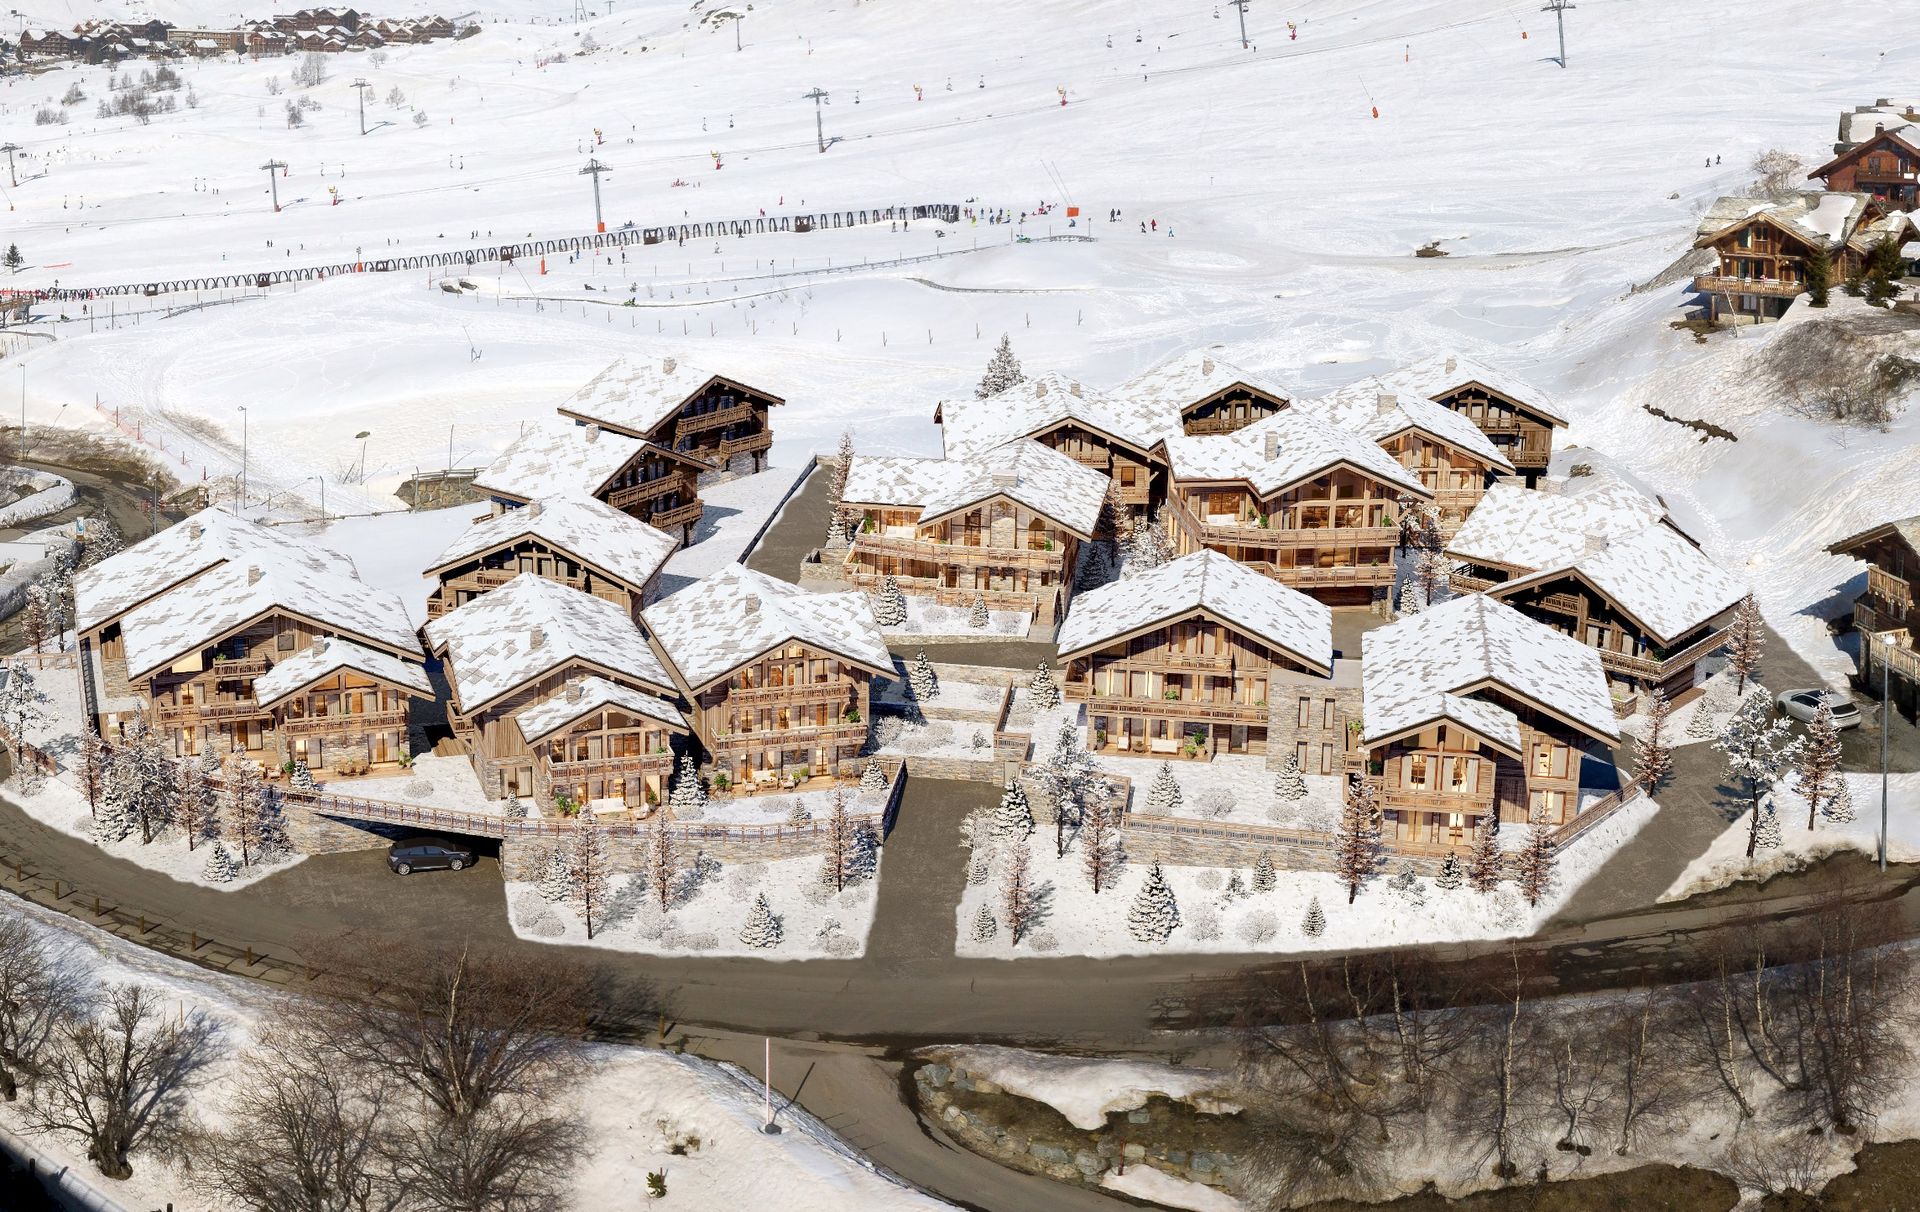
{"type": "Point", "coordinates": [536, 636]}
{"type": "Point", "coordinates": [1272, 446]}
{"type": "Point", "coordinates": [533, 509]}
{"type": "Point", "coordinates": [1453, 363]}
{"type": "Point", "coordinates": [320, 646]}
{"type": "Point", "coordinates": [1206, 366]}
{"type": "Point", "coordinates": [575, 691]}
{"type": "Point", "coordinates": [1596, 543]}
{"type": "Point", "coordinates": [1006, 479]}
{"type": "Point", "coordinates": [1039, 388]}
{"type": "Point", "coordinates": [750, 604]}
{"type": "Point", "coordinates": [1879, 128]}
{"type": "Point", "coordinates": [195, 531]}
{"type": "Point", "coordinates": [593, 433]}
{"type": "Point", "coordinates": [1073, 389]}
{"type": "Point", "coordinates": [254, 574]}
{"type": "Point", "coordinates": [1385, 403]}
{"type": "Point", "coordinates": [668, 366]}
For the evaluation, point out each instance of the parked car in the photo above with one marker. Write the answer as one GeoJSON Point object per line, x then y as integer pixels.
{"type": "Point", "coordinates": [1805, 704]}
{"type": "Point", "coordinates": [428, 854]}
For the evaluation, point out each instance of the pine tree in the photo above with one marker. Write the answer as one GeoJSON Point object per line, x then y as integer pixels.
{"type": "Point", "coordinates": [242, 807]}
{"type": "Point", "coordinates": [1003, 371]}
{"type": "Point", "coordinates": [553, 877]}
{"type": "Point", "coordinates": [925, 684]}
{"type": "Point", "coordinates": [1013, 818]}
{"type": "Point", "coordinates": [1451, 875]}
{"type": "Point", "coordinates": [1315, 923]}
{"type": "Point", "coordinates": [687, 795]}
{"type": "Point", "coordinates": [1100, 845]}
{"type": "Point", "coordinates": [211, 774]}
{"type": "Point", "coordinates": [1768, 835]}
{"type": "Point", "coordinates": [1839, 806]}
{"type": "Point", "coordinates": [839, 844]}
{"type": "Point", "coordinates": [838, 525]}
{"type": "Point", "coordinates": [1535, 863]}
{"type": "Point", "coordinates": [1290, 784]}
{"type": "Point", "coordinates": [35, 621]}
{"type": "Point", "coordinates": [1758, 752]}
{"type": "Point", "coordinates": [1357, 853]}
{"type": "Point", "coordinates": [1070, 779]}
{"type": "Point", "coordinates": [1819, 772]}
{"type": "Point", "coordinates": [1746, 637]}
{"type": "Point", "coordinates": [662, 871]}
{"type": "Point", "coordinates": [873, 778]}
{"type": "Point", "coordinates": [978, 617]}
{"type": "Point", "coordinates": [113, 817]}
{"type": "Point", "coordinates": [799, 814]}
{"type": "Point", "coordinates": [91, 769]}
{"type": "Point", "coordinates": [863, 861]}
{"type": "Point", "coordinates": [1264, 877]}
{"type": "Point", "coordinates": [1656, 750]}
{"type": "Point", "coordinates": [1043, 689]}
{"type": "Point", "coordinates": [219, 867]}
{"type": "Point", "coordinates": [20, 709]}
{"type": "Point", "coordinates": [984, 925]}
{"type": "Point", "coordinates": [1236, 888]}
{"type": "Point", "coordinates": [1164, 795]}
{"type": "Point", "coordinates": [587, 872]}
{"type": "Point", "coordinates": [1154, 913]}
{"type": "Point", "coordinates": [1883, 273]}
{"type": "Point", "coordinates": [140, 778]}
{"type": "Point", "coordinates": [1017, 903]}
{"type": "Point", "coordinates": [1819, 275]}
{"type": "Point", "coordinates": [1148, 547]}
{"type": "Point", "coordinates": [979, 867]}
{"type": "Point", "coordinates": [99, 541]}
{"type": "Point", "coordinates": [1484, 861]}
{"type": "Point", "coordinates": [14, 259]}
{"type": "Point", "coordinates": [192, 797]}
{"type": "Point", "coordinates": [1701, 726]}
{"type": "Point", "coordinates": [763, 931]}
{"type": "Point", "coordinates": [302, 778]}
{"type": "Point", "coordinates": [890, 610]}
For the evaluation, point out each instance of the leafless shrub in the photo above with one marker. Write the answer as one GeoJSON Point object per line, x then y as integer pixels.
{"type": "Point", "coordinates": [42, 991]}
{"type": "Point", "coordinates": [1259, 926]}
{"type": "Point", "coordinates": [49, 115]}
{"type": "Point", "coordinates": [1778, 174]}
{"type": "Point", "coordinates": [1214, 802]}
{"type": "Point", "coordinates": [508, 1158]}
{"type": "Point", "coordinates": [1779, 1165]}
{"type": "Point", "coordinates": [1845, 370]}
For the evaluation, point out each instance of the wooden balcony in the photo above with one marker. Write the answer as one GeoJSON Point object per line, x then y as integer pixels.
{"type": "Point", "coordinates": [244, 667]}
{"type": "Point", "coordinates": [1193, 710]}
{"type": "Point", "coordinates": [1652, 670]}
{"type": "Point", "coordinates": [781, 738]}
{"type": "Point", "coordinates": [719, 418]}
{"type": "Point", "coordinates": [1892, 649]}
{"type": "Point", "coordinates": [1531, 454]}
{"type": "Point", "coordinates": [678, 516]}
{"type": "Point", "coordinates": [963, 555]}
{"type": "Point", "coordinates": [1719, 284]}
{"type": "Point", "coordinates": [646, 763]}
{"type": "Point", "coordinates": [347, 722]}
{"type": "Point", "coordinates": [809, 692]}
{"type": "Point", "coordinates": [634, 494]}
{"type": "Point", "coordinates": [1252, 534]}
{"type": "Point", "coordinates": [209, 713]}
{"type": "Point", "coordinates": [1890, 595]}
{"type": "Point", "coordinates": [1471, 802]}
{"type": "Point", "coordinates": [1161, 659]}
{"type": "Point", "coordinates": [1336, 576]}
{"type": "Point", "coordinates": [729, 447]}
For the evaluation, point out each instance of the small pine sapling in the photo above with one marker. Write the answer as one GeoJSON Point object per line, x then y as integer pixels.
{"type": "Point", "coordinates": [219, 868]}
{"type": "Point", "coordinates": [977, 617]}
{"type": "Point", "coordinates": [1534, 866]}
{"type": "Point", "coordinates": [1768, 836]}
{"type": "Point", "coordinates": [979, 867]}
{"type": "Point", "coordinates": [1819, 772]}
{"type": "Point", "coordinates": [984, 925]}
{"type": "Point", "coordinates": [1315, 923]}
{"type": "Point", "coordinates": [553, 877]}
{"type": "Point", "coordinates": [1290, 784]}
{"type": "Point", "coordinates": [302, 778]}
{"type": "Point", "coordinates": [1451, 874]}
{"type": "Point", "coordinates": [1264, 877]}
{"type": "Point", "coordinates": [873, 778]}
{"type": "Point", "coordinates": [922, 679]}
{"type": "Point", "coordinates": [763, 930]}
{"type": "Point", "coordinates": [1164, 795]}
{"type": "Point", "coordinates": [687, 797]}
{"type": "Point", "coordinates": [1839, 805]}
{"type": "Point", "coordinates": [1154, 912]}
{"type": "Point", "coordinates": [1484, 861]}
{"type": "Point", "coordinates": [1043, 689]}
{"type": "Point", "coordinates": [1235, 890]}
{"type": "Point", "coordinates": [890, 609]}
{"type": "Point", "coordinates": [1003, 371]}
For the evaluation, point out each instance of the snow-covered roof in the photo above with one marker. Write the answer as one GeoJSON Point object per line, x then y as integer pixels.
{"type": "Point", "coordinates": [555, 458]}
{"type": "Point", "coordinates": [1664, 582]}
{"type": "Point", "coordinates": [1821, 217]}
{"type": "Point", "coordinates": [714, 626]}
{"type": "Point", "coordinates": [634, 395]}
{"type": "Point", "coordinates": [327, 656]}
{"type": "Point", "coordinates": [1426, 668]}
{"type": "Point", "coordinates": [530, 626]}
{"type": "Point", "coordinates": [1043, 480]}
{"type": "Point", "coordinates": [1908, 529]}
{"type": "Point", "coordinates": [1282, 450]}
{"type": "Point", "coordinates": [1530, 529]}
{"type": "Point", "coordinates": [969, 426]}
{"type": "Point", "coordinates": [591, 531]}
{"type": "Point", "coordinates": [182, 551]}
{"type": "Point", "coordinates": [1856, 126]}
{"type": "Point", "coordinates": [1894, 225]}
{"type": "Point", "coordinates": [1259, 606]}
{"type": "Point", "coordinates": [220, 601]}
{"type": "Point", "coordinates": [1181, 382]}
{"type": "Point", "coordinates": [1379, 413]}
{"type": "Point", "coordinates": [582, 697]}
{"type": "Point", "coordinates": [1443, 374]}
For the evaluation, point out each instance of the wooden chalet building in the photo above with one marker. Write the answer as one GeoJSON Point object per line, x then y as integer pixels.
{"type": "Point", "coordinates": [1517, 417]}
{"type": "Point", "coordinates": [1093, 429]}
{"type": "Point", "coordinates": [1207, 395]}
{"type": "Point", "coordinates": [45, 44]}
{"type": "Point", "coordinates": [688, 411]}
{"type": "Point", "coordinates": [1471, 711]}
{"type": "Point", "coordinates": [1005, 526]}
{"type": "Point", "coordinates": [778, 678]}
{"type": "Point", "coordinates": [1190, 658]}
{"type": "Point", "coordinates": [574, 541]}
{"type": "Point", "coordinates": [1884, 614]}
{"type": "Point", "coordinates": [512, 652]}
{"type": "Point", "coordinates": [211, 636]}
{"type": "Point", "coordinates": [1886, 167]}
{"type": "Point", "coordinates": [1599, 561]}
{"type": "Point", "coordinates": [1450, 456]}
{"type": "Point", "coordinates": [642, 479]}
{"type": "Point", "coordinates": [1307, 503]}
{"type": "Point", "coordinates": [1863, 122]}
{"type": "Point", "coordinates": [1765, 248]}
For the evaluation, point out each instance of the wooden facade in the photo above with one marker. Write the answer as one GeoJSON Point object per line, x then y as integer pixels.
{"type": "Point", "coordinates": [1441, 785]}
{"type": "Point", "coordinates": [1762, 267]}
{"type": "Point", "coordinates": [1885, 167]}
{"type": "Point", "coordinates": [1456, 478]}
{"type": "Point", "coordinates": [721, 421]}
{"type": "Point", "coordinates": [1139, 474]}
{"type": "Point", "coordinates": [795, 713]}
{"type": "Point", "coordinates": [468, 578]}
{"type": "Point", "coordinates": [656, 486]}
{"type": "Point", "coordinates": [1229, 410]}
{"type": "Point", "coordinates": [1519, 430]}
{"type": "Point", "coordinates": [1885, 614]}
{"type": "Point", "coordinates": [607, 755]}
{"type": "Point", "coordinates": [1013, 556]}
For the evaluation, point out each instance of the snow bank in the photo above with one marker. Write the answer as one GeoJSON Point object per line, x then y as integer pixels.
{"type": "Point", "coordinates": [51, 494]}
{"type": "Point", "coordinates": [1725, 861]}
{"type": "Point", "coordinates": [1159, 1187]}
{"type": "Point", "coordinates": [1086, 1091]}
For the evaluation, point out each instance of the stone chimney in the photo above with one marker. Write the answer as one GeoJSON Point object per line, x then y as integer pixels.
{"type": "Point", "coordinates": [668, 366]}
{"type": "Point", "coordinates": [575, 690]}
{"type": "Point", "coordinates": [750, 604]}
{"type": "Point", "coordinates": [1272, 445]}
{"type": "Point", "coordinates": [1039, 388]}
{"type": "Point", "coordinates": [320, 646]}
{"type": "Point", "coordinates": [1073, 389]}
{"type": "Point", "coordinates": [593, 433]}
{"type": "Point", "coordinates": [1206, 366]}
{"type": "Point", "coordinates": [254, 574]}
{"type": "Point", "coordinates": [536, 636]}
{"type": "Point", "coordinates": [1006, 479]}
{"type": "Point", "coordinates": [1879, 128]}
{"type": "Point", "coordinates": [1385, 403]}
{"type": "Point", "coordinates": [1453, 363]}
{"type": "Point", "coordinates": [195, 531]}
{"type": "Point", "coordinates": [533, 509]}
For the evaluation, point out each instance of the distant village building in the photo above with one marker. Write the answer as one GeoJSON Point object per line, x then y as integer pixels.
{"type": "Point", "coordinates": [1863, 122]}
{"type": "Point", "coordinates": [1886, 167]}
{"type": "Point", "coordinates": [1765, 248]}
{"type": "Point", "coordinates": [1517, 417]}
{"type": "Point", "coordinates": [680, 408]}
{"type": "Point", "coordinates": [578, 542]}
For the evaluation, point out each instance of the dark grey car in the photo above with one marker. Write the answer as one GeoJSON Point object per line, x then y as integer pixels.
{"type": "Point", "coordinates": [428, 854]}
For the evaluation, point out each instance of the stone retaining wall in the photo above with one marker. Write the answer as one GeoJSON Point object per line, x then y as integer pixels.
{"type": "Point", "coordinates": [1238, 852]}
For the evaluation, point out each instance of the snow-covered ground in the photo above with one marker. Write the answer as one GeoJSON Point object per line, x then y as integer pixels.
{"type": "Point", "coordinates": [735, 513]}
{"type": "Point", "coordinates": [927, 619]}
{"type": "Point", "coordinates": [1725, 861]}
{"type": "Point", "coordinates": [777, 807]}
{"type": "Point", "coordinates": [1085, 1091]}
{"type": "Point", "coordinates": [1074, 921]}
{"type": "Point", "coordinates": [436, 781]}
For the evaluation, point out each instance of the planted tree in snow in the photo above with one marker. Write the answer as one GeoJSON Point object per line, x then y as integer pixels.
{"type": "Point", "coordinates": [1100, 845]}
{"type": "Point", "coordinates": [1014, 817]}
{"type": "Point", "coordinates": [1315, 923]}
{"type": "Point", "coordinates": [1003, 371]}
{"type": "Point", "coordinates": [13, 259]}
{"type": "Point", "coordinates": [1746, 638]}
{"type": "Point", "coordinates": [243, 808]}
{"type": "Point", "coordinates": [1043, 689]}
{"type": "Point", "coordinates": [302, 778]}
{"type": "Point", "coordinates": [35, 623]}
{"type": "Point", "coordinates": [687, 796]}
{"type": "Point", "coordinates": [873, 778]}
{"type": "Point", "coordinates": [1164, 795]}
{"type": "Point", "coordinates": [1819, 773]}
{"type": "Point", "coordinates": [1451, 875]}
{"type": "Point", "coordinates": [1429, 577]}
{"type": "Point", "coordinates": [1656, 746]}
{"type": "Point", "coordinates": [863, 861]}
{"type": "Point", "coordinates": [219, 868]}
{"type": "Point", "coordinates": [1235, 889]}
{"type": "Point", "coordinates": [978, 617]}
{"type": "Point", "coordinates": [1839, 806]}
{"type": "Point", "coordinates": [662, 871]}
{"type": "Point", "coordinates": [979, 867]}
{"type": "Point", "coordinates": [1290, 784]}
{"type": "Point", "coordinates": [1768, 837]}
{"type": "Point", "coordinates": [925, 684]}
{"type": "Point", "coordinates": [1264, 877]}
{"type": "Point", "coordinates": [984, 925]}
{"type": "Point", "coordinates": [192, 801]}
{"type": "Point", "coordinates": [1017, 902]}
{"type": "Point", "coordinates": [587, 870]}
{"type": "Point", "coordinates": [1357, 853]}
{"type": "Point", "coordinates": [553, 877]}
{"type": "Point", "coordinates": [20, 709]}
{"type": "Point", "coordinates": [839, 845]}
{"type": "Point", "coordinates": [1534, 866]}
{"type": "Point", "coordinates": [91, 769]}
{"type": "Point", "coordinates": [1154, 913]}
{"type": "Point", "coordinates": [1148, 547]}
{"type": "Point", "coordinates": [1758, 752]}
{"type": "Point", "coordinates": [762, 930]}
{"type": "Point", "coordinates": [890, 608]}
{"type": "Point", "coordinates": [1819, 275]}
{"type": "Point", "coordinates": [1485, 861]}
{"type": "Point", "coordinates": [1070, 779]}
{"type": "Point", "coordinates": [140, 782]}
{"type": "Point", "coordinates": [1701, 726]}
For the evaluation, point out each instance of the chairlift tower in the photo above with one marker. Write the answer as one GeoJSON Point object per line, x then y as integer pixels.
{"type": "Point", "coordinates": [361, 86]}
{"type": "Point", "coordinates": [1242, 6]}
{"type": "Point", "coordinates": [818, 96]}
{"type": "Point", "coordinates": [273, 182]}
{"type": "Point", "coordinates": [10, 149]}
{"type": "Point", "coordinates": [594, 168]}
{"type": "Point", "coordinates": [1559, 10]}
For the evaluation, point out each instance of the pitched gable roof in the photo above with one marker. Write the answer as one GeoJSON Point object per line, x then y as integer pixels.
{"type": "Point", "coordinates": [1277, 615]}
{"type": "Point", "coordinates": [1024, 471]}
{"type": "Point", "coordinates": [1526, 529]}
{"type": "Point", "coordinates": [325, 657]}
{"type": "Point", "coordinates": [1380, 413]}
{"type": "Point", "coordinates": [592, 532]}
{"type": "Point", "coordinates": [555, 458]}
{"type": "Point", "coordinates": [635, 395]}
{"type": "Point", "coordinates": [1172, 387]}
{"type": "Point", "coordinates": [1825, 219]}
{"type": "Point", "coordinates": [714, 626]}
{"type": "Point", "coordinates": [1303, 447]}
{"type": "Point", "coordinates": [1907, 530]}
{"type": "Point", "coordinates": [1444, 374]}
{"type": "Point", "coordinates": [1906, 136]}
{"type": "Point", "coordinates": [582, 697]}
{"type": "Point", "coordinates": [969, 427]}
{"type": "Point", "coordinates": [1656, 577]}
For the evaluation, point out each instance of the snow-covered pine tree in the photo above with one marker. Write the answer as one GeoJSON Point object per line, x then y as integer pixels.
{"type": "Point", "coordinates": [91, 769]}
{"type": "Point", "coordinates": [1769, 833]}
{"type": "Point", "coordinates": [863, 861]}
{"type": "Point", "coordinates": [978, 617]}
{"type": "Point", "coordinates": [587, 872]}
{"type": "Point", "coordinates": [837, 489]}
{"type": "Point", "coordinates": [113, 816]}
{"type": "Point", "coordinates": [1236, 888]}
{"type": "Point", "coordinates": [1070, 779]}
{"type": "Point", "coordinates": [687, 795]}
{"type": "Point", "coordinates": [302, 778]}
{"type": "Point", "coordinates": [1290, 784]}
{"type": "Point", "coordinates": [1700, 725]}
{"type": "Point", "coordinates": [1656, 747]}
{"type": "Point", "coordinates": [1264, 877]}
{"type": "Point", "coordinates": [1315, 923]}
{"type": "Point", "coordinates": [979, 867]}
{"type": "Point", "coordinates": [219, 868]}
{"type": "Point", "coordinates": [799, 814]}
{"type": "Point", "coordinates": [191, 802]}
{"type": "Point", "coordinates": [1017, 903]}
{"type": "Point", "coordinates": [925, 684]}
{"type": "Point", "coordinates": [1759, 750]}
{"type": "Point", "coordinates": [662, 870]}
{"type": "Point", "coordinates": [1451, 874]}
{"type": "Point", "coordinates": [873, 778]}
{"type": "Point", "coordinates": [1148, 547]}
{"type": "Point", "coordinates": [1357, 854]}
{"type": "Point", "coordinates": [1534, 865]}
{"type": "Point", "coordinates": [1100, 845]}
{"type": "Point", "coordinates": [839, 853]}
{"type": "Point", "coordinates": [762, 930]}
{"type": "Point", "coordinates": [1043, 689]}
{"type": "Point", "coordinates": [1429, 577]}
{"type": "Point", "coordinates": [1154, 913]}
{"type": "Point", "coordinates": [1819, 771]}
{"type": "Point", "coordinates": [1163, 796]}
{"type": "Point", "coordinates": [20, 709]}
{"type": "Point", "coordinates": [99, 541]}
{"type": "Point", "coordinates": [1484, 861]}
{"type": "Point", "coordinates": [984, 925]}
{"type": "Point", "coordinates": [1839, 806]}
{"type": "Point", "coordinates": [1014, 817]}
{"type": "Point", "coordinates": [1003, 371]}
{"type": "Point", "coordinates": [890, 608]}
{"type": "Point", "coordinates": [553, 877]}
{"type": "Point", "coordinates": [1746, 639]}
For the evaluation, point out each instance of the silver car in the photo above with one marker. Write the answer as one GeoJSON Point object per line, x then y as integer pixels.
{"type": "Point", "coordinates": [1805, 704]}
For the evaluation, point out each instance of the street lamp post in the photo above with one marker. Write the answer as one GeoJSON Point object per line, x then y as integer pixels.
{"type": "Point", "coordinates": [363, 435]}
{"type": "Point", "coordinates": [243, 460]}
{"type": "Point", "coordinates": [1886, 722]}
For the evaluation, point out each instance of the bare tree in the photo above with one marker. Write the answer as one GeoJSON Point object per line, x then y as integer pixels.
{"type": "Point", "coordinates": [120, 1078]}
{"type": "Point", "coordinates": [507, 1158]}
{"type": "Point", "coordinates": [1656, 747]}
{"type": "Point", "coordinates": [1100, 841]}
{"type": "Point", "coordinates": [1501, 1088]}
{"type": "Point", "coordinates": [1746, 640]}
{"type": "Point", "coordinates": [1656, 1090]}
{"type": "Point", "coordinates": [42, 990]}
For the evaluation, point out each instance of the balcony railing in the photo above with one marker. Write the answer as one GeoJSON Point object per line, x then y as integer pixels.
{"type": "Point", "coordinates": [719, 418]}
{"type": "Point", "coordinates": [1891, 595]}
{"type": "Point", "coordinates": [969, 555]}
{"type": "Point", "coordinates": [1253, 534]}
{"type": "Point", "coordinates": [1722, 285]}
{"type": "Point", "coordinates": [1338, 575]}
{"type": "Point", "coordinates": [184, 713]}
{"type": "Point", "coordinates": [646, 763]}
{"type": "Point", "coordinates": [633, 494]}
{"type": "Point", "coordinates": [776, 738]}
{"type": "Point", "coordinates": [729, 447]}
{"type": "Point", "coordinates": [679, 515]}
{"type": "Point", "coordinates": [1177, 709]}
{"type": "Point", "coordinates": [366, 721]}
{"type": "Point", "coordinates": [806, 692]}
{"type": "Point", "coordinates": [1644, 667]}
{"type": "Point", "coordinates": [240, 667]}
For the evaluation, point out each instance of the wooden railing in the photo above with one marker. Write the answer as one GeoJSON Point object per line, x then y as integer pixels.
{"type": "Point", "coordinates": [307, 725]}
{"type": "Point", "coordinates": [1339, 574]}
{"type": "Point", "coordinates": [934, 551]}
{"type": "Point", "coordinates": [808, 692]}
{"type": "Point", "coordinates": [679, 515]}
{"type": "Point", "coordinates": [1891, 594]}
{"type": "Point", "coordinates": [793, 734]}
{"type": "Point", "coordinates": [178, 713]}
{"type": "Point", "coordinates": [243, 667]}
{"type": "Point", "coordinates": [1722, 284]}
{"type": "Point", "coordinates": [717, 419]}
{"type": "Point", "coordinates": [1255, 535]}
{"type": "Point", "coordinates": [645, 763]}
{"type": "Point", "coordinates": [729, 447]}
{"type": "Point", "coordinates": [1892, 648]}
{"type": "Point", "coordinates": [1183, 709]}
{"type": "Point", "coordinates": [632, 494]}
{"type": "Point", "coordinates": [1644, 667]}
{"type": "Point", "coordinates": [1596, 812]}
